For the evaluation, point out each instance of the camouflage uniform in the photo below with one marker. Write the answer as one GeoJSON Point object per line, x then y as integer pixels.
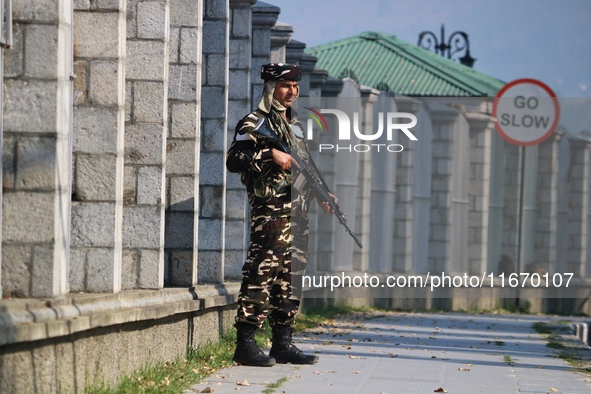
{"type": "Point", "coordinates": [267, 273]}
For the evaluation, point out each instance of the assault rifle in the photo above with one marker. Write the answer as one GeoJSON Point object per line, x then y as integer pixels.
{"type": "Point", "coordinates": [318, 187]}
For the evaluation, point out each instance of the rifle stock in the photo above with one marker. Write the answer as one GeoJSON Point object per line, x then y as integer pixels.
{"type": "Point", "coordinates": [319, 189]}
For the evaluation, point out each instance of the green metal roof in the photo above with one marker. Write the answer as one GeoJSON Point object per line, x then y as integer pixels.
{"type": "Point", "coordinates": [387, 63]}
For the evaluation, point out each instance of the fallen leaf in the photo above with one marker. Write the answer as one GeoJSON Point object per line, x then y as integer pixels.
{"type": "Point", "coordinates": [553, 389]}
{"type": "Point", "coordinates": [392, 355]}
{"type": "Point", "coordinates": [540, 367]}
{"type": "Point", "coordinates": [243, 383]}
{"type": "Point", "coordinates": [463, 369]}
{"type": "Point", "coordinates": [433, 357]}
{"type": "Point", "coordinates": [356, 372]}
{"type": "Point", "coordinates": [207, 390]}
{"type": "Point", "coordinates": [440, 390]}
{"type": "Point", "coordinates": [469, 365]}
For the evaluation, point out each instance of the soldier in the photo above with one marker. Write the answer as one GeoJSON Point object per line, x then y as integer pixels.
{"type": "Point", "coordinates": [277, 216]}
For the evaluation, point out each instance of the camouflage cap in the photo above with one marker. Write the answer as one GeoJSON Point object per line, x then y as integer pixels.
{"type": "Point", "coordinates": [281, 72]}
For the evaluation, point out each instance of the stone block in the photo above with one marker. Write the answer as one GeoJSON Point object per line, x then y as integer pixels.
{"type": "Point", "coordinates": [211, 200]}
{"type": "Point", "coordinates": [173, 46]}
{"type": "Point", "coordinates": [131, 18]}
{"type": "Point", "coordinates": [184, 13]}
{"type": "Point", "coordinates": [183, 82]}
{"type": "Point", "coordinates": [182, 193]}
{"type": "Point", "coordinates": [149, 185]}
{"type": "Point", "coordinates": [129, 269]}
{"type": "Point", "coordinates": [16, 275]}
{"type": "Point", "coordinates": [36, 163]}
{"type": "Point", "coordinates": [143, 144]}
{"type": "Point", "coordinates": [129, 184]}
{"type": "Point", "coordinates": [216, 70]}
{"type": "Point", "coordinates": [189, 46]}
{"type": "Point", "coordinates": [213, 135]}
{"type": "Point", "coordinates": [210, 267]}
{"type": "Point", "coordinates": [14, 58]}
{"type": "Point", "coordinates": [235, 235]}
{"type": "Point", "coordinates": [149, 269]}
{"type": "Point", "coordinates": [212, 169]}
{"type": "Point", "coordinates": [240, 54]}
{"type": "Point", "coordinates": [93, 224]}
{"type": "Point", "coordinates": [151, 19]}
{"type": "Point", "coordinates": [81, 5]}
{"type": "Point", "coordinates": [182, 267]}
{"type": "Point", "coordinates": [100, 270]}
{"type": "Point", "coordinates": [261, 42]}
{"type": "Point", "coordinates": [239, 86]}
{"type": "Point", "coordinates": [142, 227]}
{"type": "Point", "coordinates": [180, 157]}
{"type": "Point", "coordinates": [145, 60]}
{"type": "Point", "coordinates": [38, 11]}
{"type": "Point", "coordinates": [96, 34]}
{"type": "Point", "coordinates": [184, 120]}
{"type": "Point", "coordinates": [41, 51]}
{"type": "Point", "coordinates": [95, 130]}
{"type": "Point", "coordinates": [233, 262]}
{"type": "Point", "coordinates": [148, 102]}
{"type": "Point", "coordinates": [215, 36]}
{"type": "Point", "coordinates": [80, 84]}
{"type": "Point", "coordinates": [236, 202]}
{"type": "Point", "coordinates": [233, 181]}
{"type": "Point", "coordinates": [237, 109]}
{"type": "Point", "coordinates": [210, 234]}
{"type": "Point", "coordinates": [77, 270]}
{"type": "Point", "coordinates": [29, 106]}
{"type": "Point", "coordinates": [104, 82]}
{"type": "Point", "coordinates": [215, 9]}
{"type": "Point", "coordinates": [28, 217]}
{"type": "Point", "coordinates": [112, 5]}
{"type": "Point", "coordinates": [241, 23]}
{"type": "Point", "coordinates": [43, 271]}
{"type": "Point", "coordinates": [213, 102]}
{"type": "Point", "coordinates": [96, 177]}
{"type": "Point", "coordinates": [180, 230]}
{"type": "Point", "coordinates": [8, 162]}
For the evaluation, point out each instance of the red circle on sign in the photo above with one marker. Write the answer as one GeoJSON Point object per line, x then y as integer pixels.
{"type": "Point", "coordinates": [547, 90]}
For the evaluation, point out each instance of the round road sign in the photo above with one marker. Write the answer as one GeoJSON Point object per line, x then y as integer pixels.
{"type": "Point", "coordinates": [527, 112]}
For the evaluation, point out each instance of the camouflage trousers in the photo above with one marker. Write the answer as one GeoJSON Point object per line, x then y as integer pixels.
{"type": "Point", "coordinates": [276, 261]}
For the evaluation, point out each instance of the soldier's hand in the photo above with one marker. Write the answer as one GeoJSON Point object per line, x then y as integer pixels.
{"type": "Point", "coordinates": [325, 206]}
{"type": "Point", "coordinates": [283, 160]}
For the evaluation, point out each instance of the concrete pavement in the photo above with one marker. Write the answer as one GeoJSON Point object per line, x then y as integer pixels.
{"type": "Point", "coordinates": [393, 352]}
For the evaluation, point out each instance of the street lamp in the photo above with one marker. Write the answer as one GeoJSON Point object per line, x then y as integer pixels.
{"type": "Point", "coordinates": [457, 42]}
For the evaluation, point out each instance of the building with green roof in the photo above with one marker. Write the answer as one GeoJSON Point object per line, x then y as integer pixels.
{"type": "Point", "coordinates": [385, 62]}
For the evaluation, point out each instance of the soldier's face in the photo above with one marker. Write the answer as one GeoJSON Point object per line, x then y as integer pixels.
{"type": "Point", "coordinates": [286, 92]}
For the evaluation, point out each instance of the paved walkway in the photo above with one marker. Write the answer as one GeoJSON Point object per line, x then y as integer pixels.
{"type": "Point", "coordinates": [417, 353]}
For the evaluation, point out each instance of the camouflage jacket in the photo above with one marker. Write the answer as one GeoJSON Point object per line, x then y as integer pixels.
{"type": "Point", "coordinates": [253, 159]}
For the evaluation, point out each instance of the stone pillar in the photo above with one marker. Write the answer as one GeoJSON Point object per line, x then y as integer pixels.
{"type": "Point", "coordinates": [403, 168]}
{"type": "Point", "coordinates": [578, 188]}
{"type": "Point", "coordinates": [511, 202]}
{"type": "Point", "coordinates": [148, 36]}
{"type": "Point", "coordinates": [369, 96]}
{"type": "Point", "coordinates": [183, 143]}
{"type": "Point", "coordinates": [443, 119]}
{"type": "Point", "coordinates": [239, 104]}
{"type": "Point", "coordinates": [99, 110]}
{"type": "Point", "coordinates": [36, 154]}
{"type": "Point", "coordinates": [280, 36]}
{"type": "Point", "coordinates": [214, 111]}
{"type": "Point", "coordinates": [264, 16]}
{"type": "Point", "coordinates": [307, 63]}
{"type": "Point", "coordinates": [481, 131]}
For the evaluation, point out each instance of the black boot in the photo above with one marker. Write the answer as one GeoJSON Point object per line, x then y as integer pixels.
{"type": "Point", "coordinates": [284, 351]}
{"type": "Point", "coordinates": [247, 352]}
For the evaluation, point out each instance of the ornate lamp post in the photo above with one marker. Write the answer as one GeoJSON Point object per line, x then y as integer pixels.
{"type": "Point", "coordinates": [457, 42]}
